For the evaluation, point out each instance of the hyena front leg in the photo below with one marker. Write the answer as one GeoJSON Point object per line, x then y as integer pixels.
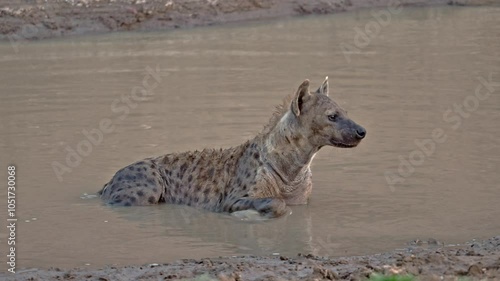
{"type": "Point", "coordinates": [267, 207]}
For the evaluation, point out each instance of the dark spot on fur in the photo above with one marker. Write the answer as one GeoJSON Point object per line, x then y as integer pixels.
{"type": "Point", "coordinates": [183, 168]}
{"type": "Point", "coordinates": [131, 168]}
{"type": "Point", "coordinates": [244, 187]}
{"type": "Point", "coordinates": [119, 189]}
{"type": "Point", "coordinates": [127, 204]}
{"type": "Point", "coordinates": [266, 210]}
{"type": "Point", "coordinates": [154, 174]}
{"type": "Point", "coordinates": [151, 199]}
{"type": "Point", "coordinates": [155, 189]}
{"type": "Point", "coordinates": [190, 178]}
{"type": "Point", "coordinates": [120, 178]}
{"type": "Point", "coordinates": [150, 181]}
{"type": "Point", "coordinates": [256, 155]}
{"type": "Point", "coordinates": [211, 172]}
{"type": "Point", "coordinates": [206, 192]}
{"type": "Point", "coordinates": [129, 186]}
{"type": "Point", "coordinates": [132, 199]}
{"type": "Point", "coordinates": [117, 201]}
{"type": "Point", "coordinates": [196, 199]}
{"type": "Point", "coordinates": [152, 166]}
{"type": "Point", "coordinates": [140, 193]}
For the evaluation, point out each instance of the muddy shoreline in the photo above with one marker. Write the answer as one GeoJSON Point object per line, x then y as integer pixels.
{"type": "Point", "coordinates": [429, 260]}
{"type": "Point", "coordinates": [38, 19]}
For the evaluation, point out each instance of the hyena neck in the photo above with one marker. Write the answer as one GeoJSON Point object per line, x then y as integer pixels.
{"type": "Point", "coordinates": [289, 154]}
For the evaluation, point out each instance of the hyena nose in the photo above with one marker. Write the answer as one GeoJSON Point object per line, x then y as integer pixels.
{"type": "Point", "coordinates": [360, 133]}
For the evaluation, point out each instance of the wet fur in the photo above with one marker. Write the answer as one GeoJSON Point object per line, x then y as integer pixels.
{"type": "Point", "coordinates": [263, 174]}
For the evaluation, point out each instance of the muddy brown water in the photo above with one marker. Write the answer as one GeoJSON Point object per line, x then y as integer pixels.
{"type": "Point", "coordinates": [218, 87]}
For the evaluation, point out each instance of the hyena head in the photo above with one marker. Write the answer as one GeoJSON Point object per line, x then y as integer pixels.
{"type": "Point", "coordinates": [322, 120]}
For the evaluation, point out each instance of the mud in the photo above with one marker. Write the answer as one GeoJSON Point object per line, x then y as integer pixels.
{"type": "Point", "coordinates": [429, 260]}
{"type": "Point", "coordinates": [38, 19]}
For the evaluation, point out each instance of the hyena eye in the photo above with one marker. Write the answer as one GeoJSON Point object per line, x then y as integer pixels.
{"type": "Point", "coordinates": [333, 117]}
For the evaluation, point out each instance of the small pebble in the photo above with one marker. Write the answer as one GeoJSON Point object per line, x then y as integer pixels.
{"type": "Point", "coordinates": [432, 241]}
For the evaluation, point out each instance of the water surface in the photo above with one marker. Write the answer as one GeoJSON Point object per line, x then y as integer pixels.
{"type": "Point", "coordinates": [218, 87]}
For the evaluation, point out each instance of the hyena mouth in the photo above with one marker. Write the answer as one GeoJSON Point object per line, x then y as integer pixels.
{"type": "Point", "coordinates": [343, 145]}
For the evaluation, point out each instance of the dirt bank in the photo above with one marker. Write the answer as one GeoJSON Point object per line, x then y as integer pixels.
{"type": "Point", "coordinates": [38, 19]}
{"type": "Point", "coordinates": [28, 20]}
{"type": "Point", "coordinates": [476, 260]}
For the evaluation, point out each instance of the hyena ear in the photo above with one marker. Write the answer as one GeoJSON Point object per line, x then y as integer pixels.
{"type": "Point", "coordinates": [298, 100]}
{"type": "Point", "coordinates": [323, 89]}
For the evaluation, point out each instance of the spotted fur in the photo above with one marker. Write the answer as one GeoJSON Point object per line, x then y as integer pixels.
{"type": "Point", "coordinates": [263, 174]}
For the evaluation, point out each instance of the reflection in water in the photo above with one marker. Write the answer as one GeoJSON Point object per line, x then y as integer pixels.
{"type": "Point", "coordinates": [218, 87]}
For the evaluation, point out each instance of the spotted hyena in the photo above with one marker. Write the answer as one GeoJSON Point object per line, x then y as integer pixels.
{"type": "Point", "coordinates": [263, 174]}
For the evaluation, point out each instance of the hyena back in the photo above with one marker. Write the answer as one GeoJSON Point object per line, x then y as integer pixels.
{"type": "Point", "coordinates": [264, 174]}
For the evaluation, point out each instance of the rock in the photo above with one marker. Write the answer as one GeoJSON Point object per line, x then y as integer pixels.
{"type": "Point", "coordinates": [324, 273]}
{"type": "Point", "coordinates": [475, 270]}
